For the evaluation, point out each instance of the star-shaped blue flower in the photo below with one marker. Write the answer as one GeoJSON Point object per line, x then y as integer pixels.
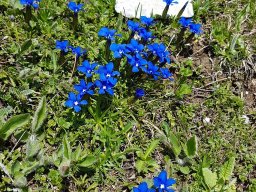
{"type": "Point", "coordinates": [78, 51]}
{"type": "Point", "coordinates": [75, 101]}
{"type": "Point", "coordinates": [146, 35]}
{"type": "Point", "coordinates": [163, 54]}
{"type": "Point", "coordinates": [87, 68]}
{"type": "Point", "coordinates": [139, 93]}
{"type": "Point", "coordinates": [75, 7]}
{"type": "Point", "coordinates": [62, 45]}
{"type": "Point", "coordinates": [106, 86]}
{"type": "Point", "coordinates": [151, 69]}
{"type": "Point", "coordinates": [107, 72]}
{"type": "Point", "coordinates": [84, 88]}
{"type": "Point", "coordinates": [33, 3]}
{"type": "Point", "coordinates": [160, 51]}
{"type": "Point", "coordinates": [162, 183]}
{"type": "Point", "coordinates": [133, 26]}
{"type": "Point", "coordinates": [135, 47]}
{"type": "Point", "coordinates": [119, 50]}
{"type": "Point", "coordinates": [148, 21]}
{"type": "Point", "coordinates": [196, 28]}
{"type": "Point", "coordinates": [185, 22]}
{"type": "Point", "coordinates": [136, 62]}
{"type": "Point", "coordinates": [143, 187]}
{"type": "Point", "coordinates": [170, 2]}
{"type": "Point", "coordinates": [109, 34]}
{"type": "Point", "coordinates": [166, 74]}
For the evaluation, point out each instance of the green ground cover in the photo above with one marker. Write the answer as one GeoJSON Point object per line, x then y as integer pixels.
{"type": "Point", "coordinates": [200, 127]}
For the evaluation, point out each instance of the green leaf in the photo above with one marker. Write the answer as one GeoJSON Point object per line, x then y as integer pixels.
{"type": "Point", "coordinates": [186, 72]}
{"type": "Point", "coordinates": [66, 148]}
{"type": "Point", "coordinates": [54, 62]}
{"type": "Point", "coordinates": [140, 165]}
{"type": "Point", "coordinates": [25, 46]}
{"type": "Point", "coordinates": [12, 124]}
{"type": "Point", "coordinates": [191, 146]}
{"type": "Point", "coordinates": [185, 170]}
{"type": "Point", "coordinates": [20, 180]}
{"type": "Point", "coordinates": [32, 147]}
{"type": "Point", "coordinates": [88, 161]}
{"type": "Point", "coordinates": [175, 144]}
{"type": "Point", "coordinates": [40, 115]}
{"type": "Point", "coordinates": [227, 169]}
{"type": "Point", "coordinates": [183, 90]}
{"type": "Point", "coordinates": [210, 178]}
{"type": "Point", "coordinates": [153, 145]}
{"type": "Point", "coordinates": [77, 153]}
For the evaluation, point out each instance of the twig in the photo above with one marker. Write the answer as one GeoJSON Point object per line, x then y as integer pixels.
{"type": "Point", "coordinates": [224, 79]}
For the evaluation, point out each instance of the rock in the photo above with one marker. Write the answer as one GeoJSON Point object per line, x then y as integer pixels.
{"type": "Point", "coordinates": [129, 8]}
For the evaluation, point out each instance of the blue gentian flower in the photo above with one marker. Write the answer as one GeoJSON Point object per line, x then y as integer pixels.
{"type": "Point", "coordinates": [87, 68]}
{"type": "Point", "coordinates": [153, 48]}
{"type": "Point", "coordinates": [105, 86]}
{"type": "Point", "coordinates": [106, 72]}
{"type": "Point", "coordinates": [163, 54]}
{"type": "Point", "coordinates": [162, 183]}
{"type": "Point", "coordinates": [170, 2]}
{"type": "Point", "coordinates": [151, 69]}
{"type": "Point", "coordinates": [62, 45]}
{"type": "Point", "coordinates": [166, 74]}
{"type": "Point", "coordinates": [143, 187]}
{"type": "Point", "coordinates": [148, 21]}
{"type": "Point", "coordinates": [84, 88]}
{"type": "Point", "coordinates": [185, 22]}
{"type": "Point", "coordinates": [74, 101]}
{"type": "Point", "coordinates": [135, 47]}
{"type": "Point", "coordinates": [160, 51]}
{"type": "Point", "coordinates": [109, 34]}
{"type": "Point", "coordinates": [146, 35]}
{"type": "Point", "coordinates": [139, 93]}
{"type": "Point", "coordinates": [133, 26]}
{"type": "Point", "coordinates": [78, 51]}
{"type": "Point", "coordinates": [33, 3]}
{"type": "Point", "coordinates": [136, 62]}
{"type": "Point", "coordinates": [119, 50]}
{"type": "Point", "coordinates": [75, 7]}
{"type": "Point", "coordinates": [196, 28]}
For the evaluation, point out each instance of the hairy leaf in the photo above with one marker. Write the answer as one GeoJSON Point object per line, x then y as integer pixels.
{"type": "Point", "coordinates": [210, 178]}
{"type": "Point", "coordinates": [40, 115]}
{"type": "Point", "coordinates": [227, 169]}
{"type": "Point", "coordinates": [12, 124]}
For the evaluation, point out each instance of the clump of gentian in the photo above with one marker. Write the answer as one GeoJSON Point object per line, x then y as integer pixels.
{"type": "Point", "coordinates": [143, 187]}
{"type": "Point", "coordinates": [73, 6]}
{"type": "Point", "coordinates": [138, 56]}
{"type": "Point", "coordinates": [28, 4]}
{"type": "Point", "coordinates": [168, 3]}
{"type": "Point", "coordinates": [139, 93]}
{"type": "Point", "coordinates": [162, 183]}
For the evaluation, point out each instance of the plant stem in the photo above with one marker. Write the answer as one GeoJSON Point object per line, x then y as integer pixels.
{"type": "Point", "coordinates": [75, 21]}
{"type": "Point", "coordinates": [28, 14]}
{"type": "Point", "coordinates": [165, 11]}
{"type": "Point", "coordinates": [107, 50]}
